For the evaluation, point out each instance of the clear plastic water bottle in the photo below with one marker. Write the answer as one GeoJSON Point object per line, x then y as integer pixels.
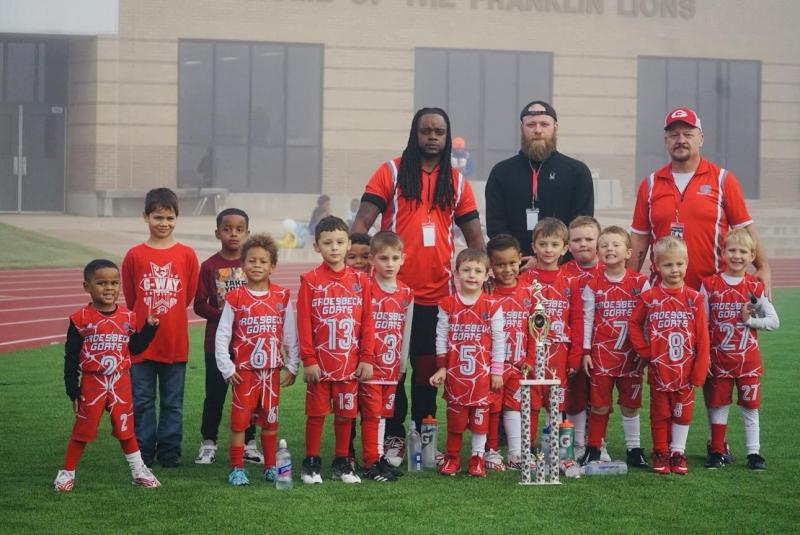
{"type": "Point", "coordinates": [604, 468]}
{"type": "Point", "coordinates": [570, 468]}
{"type": "Point", "coordinates": [546, 447]}
{"type": "Point", "coordinates": [414, 448]}
{"type": "Point", "coordinates": [283, 467]}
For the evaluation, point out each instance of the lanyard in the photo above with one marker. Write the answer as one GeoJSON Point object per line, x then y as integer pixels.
{"type": "Point", "coordinates": [430, 188]}
{"type": "Point", "coordinates": [534, 182]}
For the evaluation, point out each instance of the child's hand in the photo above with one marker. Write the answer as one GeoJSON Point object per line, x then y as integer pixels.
{"type": "Point", "coordinates": [488, 286]}
{"type": "Point", "coordinates": [234, 379]}
{"type": "Point", "coordinates": [496, 383]}
{"type": "Point", "coordinates": [311, 374]}
{"type": "Point", "coordinates": [745, 315]}
{"type": "Point", "coordinates": [287, 377]}
{"type": "Point", "coordinates": [364, 371]}
{"type": "Point", "coordinates": [528, 262]}
{"type": "Point", "coordinates": [152, 320]}
{"type": "Point", "coordinates": [76, 404]}
{"type": "Point", "coordinates": [438, 377]}
{"type": "Point", "coordinates": [571, 372]}
{"type": "Point", "coordinates": [587, 364]}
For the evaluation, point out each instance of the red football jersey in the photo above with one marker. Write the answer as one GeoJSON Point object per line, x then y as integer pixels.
{"type": "Point", "coordinates": [573, 270]}
{"type": "Point", "coordinates": [105, 339]}
{"type": "Point", "coordinates": [677, 344]}
{"type": "Point", "coordinates": [468, 355]}
{"type": "Point", "coordinates": [734, 345]}
{"type": "Point", "coordinates": [577, 277]}
{"type": "Point", "coordinates": [257, 334]}
{"type": "Point", "coordinates": [608, 306]}
{"type": "Point", "coordinates": [334, 321]}
{"type": "Point", "coordinates": [389, 319]}
{"type": "Point", "coordinates": [517, 303]}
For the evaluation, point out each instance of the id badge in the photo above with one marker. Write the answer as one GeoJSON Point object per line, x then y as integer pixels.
{"type": "Point", "coordinates": [428, 235]}
{"type": "Point", "coordinates": [531, 217]}
{"type": "Point", "coordinates": [676, 229]}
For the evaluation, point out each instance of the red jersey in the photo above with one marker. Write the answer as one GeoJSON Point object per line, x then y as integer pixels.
{"type": "Point", "coordinates": [608, 305]}
{"type": "Point", "coordinates": [258, 321]}
{"type": "Point", "coordinates": [578, 276]}
{"type": "Point", "coordinates": [465, 346]}
{"type": "Point", "coordinates": [334, 321]}
{"type": "Point", "coordinates": [711, 204]}
{"type": "Point", "coordinates": [217, 277]}
{"type": "Point", "coordinates": [668, 328]}
{"type": "Point", "coordinates": [517, 303]}
{"type": "Point", "coordinates": [389, 319]}
{"type": "Point", "coordinates": [734, 345]}
{"type": "Point", "coordinates": [162, 281]}
{"type": "Point", "coordinates": [430, 274]}
{"type": "Point", "coordinates": [104, 349]}
{"type": "Point", "coordinates": [573, 270]}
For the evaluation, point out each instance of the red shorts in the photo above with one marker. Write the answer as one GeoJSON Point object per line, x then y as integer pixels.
{"type": "Point", "coordinates": [629, 388]}
{"type": "Point", "coordinates": [497, 399]}
{"type": "Point", "coordinates": [461, 416]}
{"type": "Point", "coordinates": [255, 399]}
{"type": "Point", "coordinates": [718, 391]}
{"type": "Point", "coordinates": [577, 396]}
{"type": "Point", "coordinates": [675, 406]}
{"type": "Point", "coordinates": [99, 393]}
{"type": "Point", "coordinates": [376, 401]}
{"type": "Point", "coordinates": [341, 397]}
{"type": "Point", "coordinates": [511, 389]}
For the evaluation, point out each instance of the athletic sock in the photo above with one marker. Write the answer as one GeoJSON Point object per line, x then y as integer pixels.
{"type": "Point", "coordinates": [478, 444]}
{"type": "Point", "coordinates": [454, 444]}
{"type": "Point", "coordinates": [369, 440]}
{"type": "Point", "coordinates": [313, 435]}
{"type": "Point", "coordinates": [660, 431]}
{"type": "Point", "coordinates": [718, 418]}
{"type": "Point", "coordinates": [134, 459]}
{"type": "Point", "coordinates": [129, 445]}
{"type": "Point", "coordinates": [237, 456]}
{"type": "Point", "coordinates": [74, 451]}
{"type": "Point", "coordinates": [750, 419]}
{"type": "Point", "coordinates": [494, 429]}
{"type": "Point", "coordinates": [269, 446]}
{"type": "Point", "coordinates": [512, 421]}
{"type": "Point", "coordinates": [579, 420]}
{"type": "Point", "coordinates": [679, 435]}
{"type": "Point", "coordinates": [598, 423]}
{"type": "Point", "coordinates": [632, 432]}
{"type": "Point", "coordinates": [341, 430]}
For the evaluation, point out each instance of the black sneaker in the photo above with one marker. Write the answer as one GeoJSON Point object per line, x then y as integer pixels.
{"type": "Point", "coordinates": [311, 469]}
{"type": "Point", "coordinates": [756, 462]}
{"type": "Point", "coordinates": [727, 456]}
{"type": "Point", "coordinates": [375, 473]}
{"type": "Point", "coordinates": [636, 458]}
{"type": "Point", "coordinates": [715, 461]}
{"type": "Point", "coordinates": [387, 467]}
{"type": "Point", "coordinates": [343, 471]}
{"type": "Point", "coordinates": [592, 454]}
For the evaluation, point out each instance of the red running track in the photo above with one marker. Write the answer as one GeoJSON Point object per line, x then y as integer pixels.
{"type": "Point", "coordinates": [35, 303]}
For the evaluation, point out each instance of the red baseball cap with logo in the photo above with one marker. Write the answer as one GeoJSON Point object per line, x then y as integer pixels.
{"type": "Point", "coordinates": [682, 115]}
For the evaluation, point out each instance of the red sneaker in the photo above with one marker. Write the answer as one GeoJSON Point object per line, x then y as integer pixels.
{"type": "Point", "coordinates": [450, 466]}
{"type": "Point", "coordinates": [661, 463]}
{"type": "Point", "coordinates": [677, 463]}
{"type": "Point", "coordinates": [476, 467]}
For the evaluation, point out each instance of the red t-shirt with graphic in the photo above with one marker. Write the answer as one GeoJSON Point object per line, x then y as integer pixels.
{"type": "Point", "coordinates": [257, 334]}
{"type": "Point", "coordinates": [163, 281]}
{"type": "Point", "coordinates": [334, 321]}
{"type": "Point", "coordinates": [105, 337]}
{"type": "Point", "coordinates": [668, 328]}
{"type": "Point", "coordinates": [389, 320]}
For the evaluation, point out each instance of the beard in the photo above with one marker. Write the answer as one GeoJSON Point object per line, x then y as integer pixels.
{"type": "Point", "coordinates": [538, 149]}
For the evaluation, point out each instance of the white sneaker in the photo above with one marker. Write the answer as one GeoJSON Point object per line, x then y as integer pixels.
{"type": "Point", "coordinates": [207, 453]}
{"type": "Point", "coordinates": [516, 462]}
{"type": "Point", "coordinates": [394, 450]}
{"type": "Point", "coordinates": [65, 479]}
{"type": "Point", "coordinates": [439, 457]}
{"type": "Point", "coordinates": [494, 461]}
{"type": "Point", "coordinates": [143, 477]}
{"type": "Point", "coordinates": [310, 471]}
{"type": "Point", "coordinates": [311, 479]}
{"type": "Point", "coordinates": [251, 453]}
{"type": "Point", "coordinates": [579, 452]}
{"type": "Point", "coordinates": [604, 456]}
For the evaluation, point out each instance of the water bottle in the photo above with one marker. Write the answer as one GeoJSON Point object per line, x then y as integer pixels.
{"type": "Point", "coordinates": [546, 447]}
{"type": "Point", "coordinates": [566, 434]}
{"type": "Point", "coordinates": [569, 468]}
{"type": "Point", "coordinates": [601, 468]}
{"type": "Point", "coordinates": [283, 467]}
{"type": "Point", "coordinates": [414, 448]}
{"type": "Point", "coordinates": [429, 433]}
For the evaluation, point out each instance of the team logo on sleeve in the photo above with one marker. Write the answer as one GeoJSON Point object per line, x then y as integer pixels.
{"type": "Point", "coordinates": [160, 288]}
{"type": "Point", "coordinates": [527, 302]}
{"type": "Point", "coordinates": [357, 287]}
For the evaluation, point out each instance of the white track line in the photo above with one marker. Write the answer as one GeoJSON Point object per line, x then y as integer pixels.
{"type": "Point", "coordinates": [31, 339]}
{"type": "Point", "coordinates": [32, 321]}
{"type": "Point", "coordinates": [42, 297]}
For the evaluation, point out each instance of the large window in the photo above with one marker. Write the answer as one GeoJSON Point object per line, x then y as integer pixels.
{"type": "Point", "coordinates": [726, 95]}
{"type": "Point", "coordinates": [483, 92]}
{"type": "Point", "coordinates": [250, 116]}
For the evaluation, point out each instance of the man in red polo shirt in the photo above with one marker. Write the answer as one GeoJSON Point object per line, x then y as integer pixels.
{"type": "Point", "coordinates": [422, 209]}
{"type": "Point", "coordinates": [694, 199]}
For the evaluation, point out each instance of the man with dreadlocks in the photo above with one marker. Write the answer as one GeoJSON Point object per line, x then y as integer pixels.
{"type": "Point", "coordinates": [422, 209]}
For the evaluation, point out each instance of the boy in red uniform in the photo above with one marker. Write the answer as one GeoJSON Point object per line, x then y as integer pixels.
{"type": "Point", "coordinates": [549, 245]}
{"type": "Point", "coordinates": [585, 264]}
{"type": "Point", "coordinates": [160, 275]}
{"type": "Point", "coordinates": [392, 309]}
{"type": "Point", "coordinates": [100, 340]}
{"type": "Point", "coordinates": [609, 360]}
{"type": "Point", "coordinates": [219, 274]}
{"type": "Point", "coordinates": [256, 323]}
{"type": "Point", "coordinates": [334, 326]}
{"type": "Point", "coordinates": [669, 331]}
{"type": "Point", "coordinates": [737, 305]}
{"type": "Point", "coordinates": [470, 352]}
{"type": "Point", "coordinates": [517, 301]}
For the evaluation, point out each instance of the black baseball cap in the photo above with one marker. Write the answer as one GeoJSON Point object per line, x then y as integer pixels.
{"type": "Point", "coordinates": [548, 110]}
